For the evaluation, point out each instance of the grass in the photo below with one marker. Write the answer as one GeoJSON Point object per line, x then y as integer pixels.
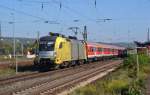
{"type": "Point", "coordinates": [5, 58]}
{"type": "Point", "coordinates": [106, 86]}
{"type": "Point", "coordinates": [121, 82]}
{"type": "Point", "coordinates": [7, 72]}
{"type": "Point", "coordinates": [10, 70]}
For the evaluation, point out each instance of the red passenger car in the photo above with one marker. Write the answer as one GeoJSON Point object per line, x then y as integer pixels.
{"type": "Point", "coordinates": [97, 50]}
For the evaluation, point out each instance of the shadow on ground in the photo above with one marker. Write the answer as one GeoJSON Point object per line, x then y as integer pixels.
{"type": "Point", "coordinates": [32, 68]}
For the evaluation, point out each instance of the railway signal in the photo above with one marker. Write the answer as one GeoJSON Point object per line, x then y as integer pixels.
{"type": "Point", "coordinates": [0, 31]}
{"type": "Point", "coordinates": [148, 35]}
{"type": "Point", "coordinates": [85, 33]}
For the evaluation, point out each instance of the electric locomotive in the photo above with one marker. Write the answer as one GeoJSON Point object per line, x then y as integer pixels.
{"type": "Point", "coordinates": [58, 50]}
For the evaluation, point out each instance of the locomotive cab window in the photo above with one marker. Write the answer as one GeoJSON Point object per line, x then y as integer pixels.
{"type": "Point", "coordinates": [47, 43]}
{"type": "Point", "coordinates": [46, 46]}
{"type": "Point", "coordinates": [60, 45]}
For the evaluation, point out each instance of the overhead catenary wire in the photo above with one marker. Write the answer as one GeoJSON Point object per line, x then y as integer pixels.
{"type": "Point", "coordinates": [23, 13]}
{"type": "Point", "coordinates": [33, 1]}
{"type": "Point", "coordinates": [60, 6]}
{"type": "Point", "coordinates": [33, 21]}
{"type": "Point", "coordinates": [50, 2]}
{"type": "Point", "coordinates": [59, 3]}
{"type": "Point", "coordinates": [42, 3]}
{"type": "Point", "coordinates": [74, 11]}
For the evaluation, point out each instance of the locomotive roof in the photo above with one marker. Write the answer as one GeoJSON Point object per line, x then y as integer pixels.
{"type": "Point", "coordinates": [105, 45]}
{"type": "Point", "coordinates": [48, 38]}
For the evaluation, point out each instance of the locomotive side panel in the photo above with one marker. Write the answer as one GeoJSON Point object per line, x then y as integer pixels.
{"type": "Point", "coordinates": [63, 51]}
{"type": "Point", "coordinates": [82, 50]}
{"type": "Point", "coordinates": [74, 50]}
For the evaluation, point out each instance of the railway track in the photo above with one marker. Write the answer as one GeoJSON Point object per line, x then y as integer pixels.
{"type": "Point", "coordinates": [22, 77]}
{"type": "Point", "coordinates": [44, 83]}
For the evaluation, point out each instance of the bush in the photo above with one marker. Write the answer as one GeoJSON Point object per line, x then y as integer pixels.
{"type": "Point", "coordinates": [88, 90]}
{"type": "Point", "coordinates": [135, 89]}
{"type": "Point", "coordinates": [6, 72]}
{"type": "Point", "coordinates": [130, 61]}
{"type": "Point", "coordinates": [116, 86]}
{"type": "Point", "coordinates": [144, 59]}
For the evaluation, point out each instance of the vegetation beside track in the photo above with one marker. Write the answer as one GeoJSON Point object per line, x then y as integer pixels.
{"type": "Point", "coordinates": [124, 81]}
{"type": "Point", "coordinates": [7, 67]}
{"type": "Point", "coordinates": [4, 58]}
{"type": "Point", "coordinates": [7, 72]}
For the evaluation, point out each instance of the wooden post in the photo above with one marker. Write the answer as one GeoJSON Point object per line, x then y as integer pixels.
{"type": "Point", "coordinates": [137, 66]}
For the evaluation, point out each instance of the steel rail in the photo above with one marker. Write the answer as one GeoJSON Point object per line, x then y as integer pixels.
{"type": "Point", "coordinates": [75, 77]}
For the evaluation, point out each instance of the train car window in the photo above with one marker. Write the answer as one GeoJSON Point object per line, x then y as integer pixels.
{"type": "Point", "coordinates": [105, 49]}
{"type": "Point", "coordinates": [60, 45]}
{"type": "Point", "coordinates": [89, 49]}
{"type": "Point", "coordinates": [112, 50]}
{"type": "Point", "coordinates": [109, 50]}
{"type": "Point", "coordinates": [100, 49]}
{"type": "Point", "coordinates": [92, 49]}
{"type": "Point", "coordinates": [95, 49]}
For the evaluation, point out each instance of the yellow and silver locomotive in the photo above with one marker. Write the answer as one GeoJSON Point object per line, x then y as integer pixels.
{"type": "Point", "coordinates": [57, 49]}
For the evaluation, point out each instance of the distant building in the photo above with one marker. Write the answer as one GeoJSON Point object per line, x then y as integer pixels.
{"type": "Point", "coordinates": [143, 48]}
{"type": "Point", "coordinates": [131, 50]}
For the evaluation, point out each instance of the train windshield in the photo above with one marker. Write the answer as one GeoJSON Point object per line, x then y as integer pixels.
{"type": "Point", "coordinates": [47, 43]}
{"type": "Point", "coordinates": [46, 46]}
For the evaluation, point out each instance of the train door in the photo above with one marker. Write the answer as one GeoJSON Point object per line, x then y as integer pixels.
{"type": "Point", "coordinates": [64, 52]}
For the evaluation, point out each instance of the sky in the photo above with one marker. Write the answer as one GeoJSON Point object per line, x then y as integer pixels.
{"type": "Point", "coordinates": [130, 18]}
